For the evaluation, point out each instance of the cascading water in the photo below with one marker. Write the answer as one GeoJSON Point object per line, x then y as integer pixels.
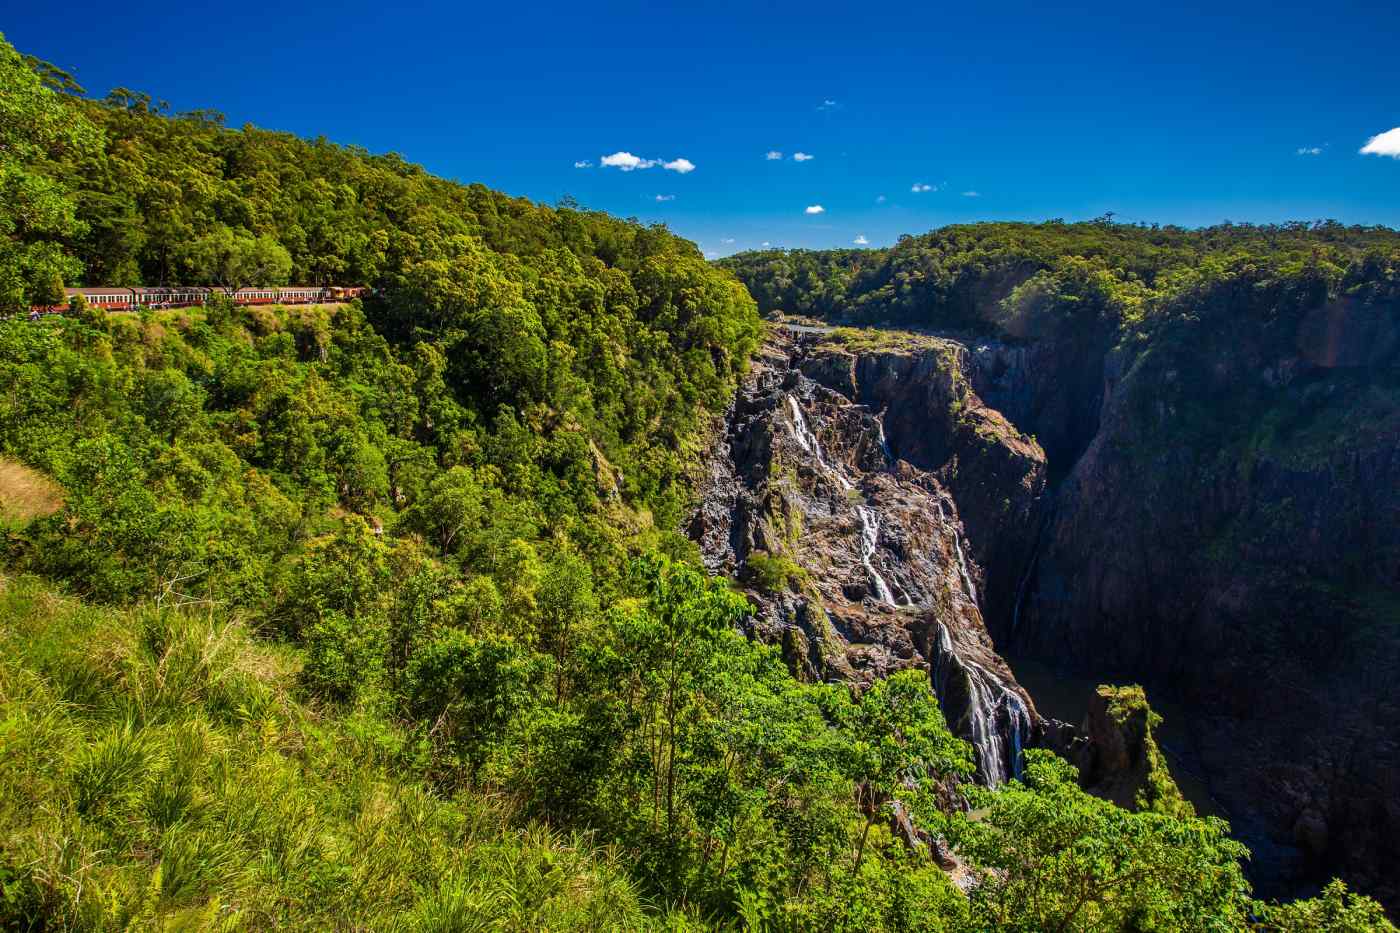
{"type": "Point", "coordinates": [807, 440]}
{"type": "Point", "coordinates": [968, 588]}
{"type": "Point", "coordinates": [869, 537]}
{"type": "Point", "coordinates": [995, 715]}
{"type": "Point", "coordinates": [962, 568]}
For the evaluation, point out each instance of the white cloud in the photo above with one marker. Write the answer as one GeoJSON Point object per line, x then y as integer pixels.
{"type": "Point", "coordinates": [727, 240]}
{"type": "Point", "coordinates": [665, 197]}
{"type": "Point", "coordinates": [583, 163]}
{"type": "Point", "coordinates": [861, 240]}
{"type": "Point", "coordinates": [802, 157]}
{"type": "Point", "coordinates": [881, 199]}
{"type": "Point", "coordinates": [972, 194]}
{"type": "Point", "coordinates": [1384, 144]}
{"type": "Point", "coordinates": [816, 209]}
{"type": "Point", "coordinates": [1310, 150]}
{"type": "Point", "coordinates": [627, 162]}
{"type": "Point", "coordinates": [773, 155]}
{"type": "Point", "coordinates": [766, 244]}
{"type": "Point", "coordinates": [828, 104]}
{"type": "Point", "coordinates": [919, 187]}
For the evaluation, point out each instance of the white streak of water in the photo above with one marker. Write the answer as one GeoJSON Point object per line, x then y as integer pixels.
{"type": "Point", "coordinates": [869, 537]}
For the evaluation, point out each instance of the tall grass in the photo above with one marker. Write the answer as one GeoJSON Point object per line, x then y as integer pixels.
{"type": "Point", "coordinates": [157, 773]}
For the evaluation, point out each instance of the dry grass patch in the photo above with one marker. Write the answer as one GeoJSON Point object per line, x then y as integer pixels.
{"type": "Point", "coordinates": [26, 494]}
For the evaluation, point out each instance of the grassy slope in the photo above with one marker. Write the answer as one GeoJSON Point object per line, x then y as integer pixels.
{"type": "Point", "coordinates": [156, 770]}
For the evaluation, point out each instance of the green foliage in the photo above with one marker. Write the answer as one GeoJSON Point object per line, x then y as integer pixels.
{"type": "Point", "coordinates": [36, 210]}
{"type": "Point", "coordinates": [1056, 858]}
{"type": "Point", "coordinates": [1048, 279]}
{"type": "Point", "coordinates": [1335, 910]}
{"type": "Point", "coordinates": [155, 772]}
{"type": "Point", "coordinates": [773, 572]}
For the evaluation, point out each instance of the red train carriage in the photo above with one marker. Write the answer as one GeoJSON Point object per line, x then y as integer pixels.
{"type": "Point", "coordinates": [116, 298]}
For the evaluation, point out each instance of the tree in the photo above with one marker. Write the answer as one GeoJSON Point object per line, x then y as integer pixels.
{"type": "Point", "coordinates": [1335, 910]}
{"type": "Point", "coordinates": [565, 602]}
{"type": "Point", "coordinates": [235, 260]}
{"type": "Point", "coordinates": [1053, 858]}
{"type": "Point", "coordinates": [898, 739]}
{"type": "Point", "coordinates": [36, 211]}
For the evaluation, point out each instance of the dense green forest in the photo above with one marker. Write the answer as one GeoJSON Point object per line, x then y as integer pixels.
{"type": "Point", "coordinates": [1024, 280]}
{"type": "Point", "coordinates": [376, 616]}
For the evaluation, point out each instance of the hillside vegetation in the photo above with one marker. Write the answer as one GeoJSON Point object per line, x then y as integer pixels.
{"type": "Point", "coordinates": [376, 616]}
{"type": "Point", "coordinates": [1025, 280]}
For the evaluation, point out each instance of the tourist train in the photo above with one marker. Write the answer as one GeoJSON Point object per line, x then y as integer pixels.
{"type": "Point", "coordinates": [134, 298]}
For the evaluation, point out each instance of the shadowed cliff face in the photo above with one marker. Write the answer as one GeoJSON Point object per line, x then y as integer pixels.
{"type": "Point", "coordinates": [1232, 534]}
{"type": "Point", "coordinates": [859, 559]}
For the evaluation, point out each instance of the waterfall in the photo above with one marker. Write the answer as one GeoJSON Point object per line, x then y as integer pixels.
{"type": "Point", "coordinates": [989, 703]}
{"type": "Point", "coordinates": [884, 443]}
{"type": "Point", "coordinates": [869, 536]}
{"type": "Point", "coordinates": [968, 588]}
{"type": "Point", "coordinates": [962, 567]}
{"type": "Point", "coordinates": [807, 440]}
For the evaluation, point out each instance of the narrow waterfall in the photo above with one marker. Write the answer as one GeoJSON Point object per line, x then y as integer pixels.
{"type": "Point", "coordinates": [966, 577]}
{"type": "Point", "coordinates": [807, 440]}
{"type": "Point", "coordinates": [869, 537]}
{"type": "Point", "coordinates": [884, 442]}
{"type": "Point", "coordinates": [962, 568]}
{"type": "Point", "coordinates": [996, 719]}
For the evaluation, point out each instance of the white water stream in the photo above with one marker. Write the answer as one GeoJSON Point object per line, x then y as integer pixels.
{"type": "Point", "coordinates": [987, 696]}
{"type": "Point", "coordinates": [869, 537]}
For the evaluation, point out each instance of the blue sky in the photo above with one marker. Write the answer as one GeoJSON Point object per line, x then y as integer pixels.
{"type": "Point", "coordinates": [1173, 113]}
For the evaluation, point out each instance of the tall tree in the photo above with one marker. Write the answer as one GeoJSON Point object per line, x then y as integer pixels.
{"type": "Point", "coordinates": [36, 212]}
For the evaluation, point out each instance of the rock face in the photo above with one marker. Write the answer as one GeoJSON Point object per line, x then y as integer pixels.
{"type": "Point", "coordinates": [1231, 534]}
{"type": "Point", "coordinates": [839, 491]}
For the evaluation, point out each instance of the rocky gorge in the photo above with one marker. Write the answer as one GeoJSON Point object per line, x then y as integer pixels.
{"type": "Point", "coordinates": [897, 500]}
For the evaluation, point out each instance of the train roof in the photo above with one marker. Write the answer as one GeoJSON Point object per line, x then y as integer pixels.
{"type": "Point", "coordinates": [117, 289]}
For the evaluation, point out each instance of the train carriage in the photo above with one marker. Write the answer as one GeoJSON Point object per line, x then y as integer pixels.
{"type": "Point", "coordinates": [122, 298]}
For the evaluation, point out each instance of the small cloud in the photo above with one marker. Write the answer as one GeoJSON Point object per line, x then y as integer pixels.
{"type": "Point", "coordinates": [972, 194]}
{"type": "Point", "coordinates": [861, 240]}
{"type": "Point", "coordinates": [625, 161]}
{"type": "Point", "coordinates": [1384, 144]}
{"type": "Point", "coordinates": [1310, 150]}
{"type": "Point", "coordinates": [583, 163]}
{"type": "Point", "coordinates": [665, 197]}
{"type": "Point", "coordinates": [727, 240]}
{"type": "Point", "coordinates": [802, 157]}
{"type": "Point", "coordinates": [711, 254]}
{"type": "Point", "coordinates": [816, 209]}
{"type": "Point", "coordinates": [881, 199]}
{"type": "Point", "coordinates": [828, 104]}
{"type": "Point", "coordinates": [773, 155]}
{"type": "Point", "coordinates": [679, 165]}
{"type": "Point", "coordinates": [766, 244]}
{"type": "Point", "coordinates": [920, 188]}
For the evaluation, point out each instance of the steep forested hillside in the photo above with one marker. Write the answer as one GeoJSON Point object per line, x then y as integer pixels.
{"type": "Point", "coordinates": [377, 615]}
